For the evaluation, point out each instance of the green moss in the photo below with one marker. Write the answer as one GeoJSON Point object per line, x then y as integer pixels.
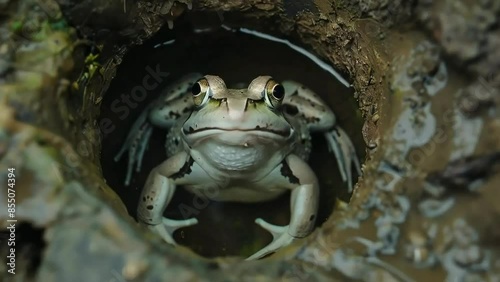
{"type": "Point", "coordinates": [37, 30]}
{"type": "Point", "coordinates": [16, 26]}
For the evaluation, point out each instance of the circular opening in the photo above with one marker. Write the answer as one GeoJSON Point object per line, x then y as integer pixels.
{"type": "Point", "coordinates": [223, 228]}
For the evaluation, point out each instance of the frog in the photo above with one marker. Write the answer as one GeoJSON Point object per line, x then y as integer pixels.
{"type": "Point", "coordinates": [249, 144]}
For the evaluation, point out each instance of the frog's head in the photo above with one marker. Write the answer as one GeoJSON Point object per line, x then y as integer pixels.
{"type": "Point", "coordinates": [255, 110]}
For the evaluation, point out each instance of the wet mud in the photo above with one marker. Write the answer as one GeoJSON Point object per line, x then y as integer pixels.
{"type": "Point", "coordinates": [426, 90]}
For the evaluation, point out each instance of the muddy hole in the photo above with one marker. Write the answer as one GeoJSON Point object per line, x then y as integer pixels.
{"type": "Point", "coordinates": [223, 228]}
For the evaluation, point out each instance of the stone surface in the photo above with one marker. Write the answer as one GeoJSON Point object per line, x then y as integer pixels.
{"type": "Point", "coordinates": [424, 209]}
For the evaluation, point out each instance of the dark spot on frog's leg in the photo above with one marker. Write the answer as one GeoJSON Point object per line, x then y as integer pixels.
{"type": "Point", "coordinates": [314, 119]}
{"type": "Point", "coordinates": [290, 109]}
{"type": "Point", "coordinates": [173, 114]}
{"type": "Point", "coordinates": [288, 173]}
{"type": "Point", "coordinates": [311, 218]}
{"type": "Point", "coordinates": [336, 131]}
{"type": "Point", "coordinates": [310, 119]}
{"type": "Point", "coordinates": [185, 169]}
{"type": "Point", "coordinates": [149, 207]}
{"type": "Point", "coordinates": [143, 199]}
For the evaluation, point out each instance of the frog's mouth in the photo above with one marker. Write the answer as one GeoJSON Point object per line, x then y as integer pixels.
{"type": "Point", "coordinates": [213, 130]}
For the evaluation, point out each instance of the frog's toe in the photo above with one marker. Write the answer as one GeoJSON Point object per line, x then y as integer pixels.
{"type": "Point", "coordinates": [135, 144]}
{"type": "Point", "coordinates": [136, 148]}
{"type": "Point", "coordinates": [172, 224]}
{"type": "Point", "coordinates": [142, 145]}
{"type": "Point", "coordinates": [275, 230]}
{"type": "Point", "coordinates": [168, 226]}
{"type": "Point", "coordinates": [341, 145]}
{"type": "Point", "coordinates": [161, 230]}
{"type": "Point", "coordinates": [281, 238]}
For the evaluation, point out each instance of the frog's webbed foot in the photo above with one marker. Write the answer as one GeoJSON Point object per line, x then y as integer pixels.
{"type": "Point", "coordinates": [136, 144]}
{"type": "Point", "coordinates": [168, 226]}
{"type": "Point", "coordinates": [340, 144]}
{"type": "Point", "coordinates": [281, 238]}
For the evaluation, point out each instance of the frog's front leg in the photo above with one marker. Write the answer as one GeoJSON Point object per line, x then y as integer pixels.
{"type": "Point", "coordinates": [302, 103]}
{"type": "Point", "coordinates": [294, 174]}
{"type": "Point", "coordinates": [159, 189]}
{"type": "Point", "coordinates": [163, 112]}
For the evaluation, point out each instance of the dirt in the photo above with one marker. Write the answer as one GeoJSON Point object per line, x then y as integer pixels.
{"type": "Point", "coordinates": [425, 78]}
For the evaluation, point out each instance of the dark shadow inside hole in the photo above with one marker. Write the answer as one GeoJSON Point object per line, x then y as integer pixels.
{"type": "Point", "coordinates": [223, 228]}
{"type": "Point", "coordinates": [28, 244]}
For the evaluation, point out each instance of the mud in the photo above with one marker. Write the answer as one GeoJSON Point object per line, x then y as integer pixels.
{"type": "Point", "coordinates": [425, 77]}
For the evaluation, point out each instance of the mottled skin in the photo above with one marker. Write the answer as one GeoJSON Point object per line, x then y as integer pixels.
{"type": "Point", "coordinates": [249, 145]}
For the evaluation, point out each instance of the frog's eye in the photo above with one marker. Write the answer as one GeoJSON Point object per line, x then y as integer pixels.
{"type": "Point", "coordinates": [274, 94]}
{"type": "Point", "coordinates": [201, 92]}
